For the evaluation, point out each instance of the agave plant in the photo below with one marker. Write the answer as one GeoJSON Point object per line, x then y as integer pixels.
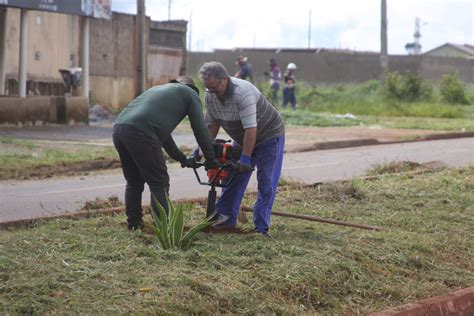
{"type": "Point", "coordinates": [169, 227]}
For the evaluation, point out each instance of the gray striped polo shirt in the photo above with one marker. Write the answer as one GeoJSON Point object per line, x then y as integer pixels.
{"type": "Point", "coordinates": [244, 106]}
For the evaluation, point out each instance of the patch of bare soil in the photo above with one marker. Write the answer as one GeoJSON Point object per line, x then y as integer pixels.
{"type": "Point", "coordinates": [395, 167]}
{"type": "Point", "coordinates": [68, 169]}
{"type": "Point", "coordinates": [98, 203]}
{"type": "Point", "coordinates": [340, 191]}
{"type": "Point", "coordinates": [227, 230]}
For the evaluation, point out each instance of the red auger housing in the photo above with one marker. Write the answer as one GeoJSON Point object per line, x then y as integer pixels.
{"type": "Point", "coordinates": [223, 151]}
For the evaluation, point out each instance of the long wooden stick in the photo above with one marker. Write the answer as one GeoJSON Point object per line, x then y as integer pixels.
{"type": "Point", "coordinates": [82, 214]}
{"type": "Point", "coordinates": [318, 219]}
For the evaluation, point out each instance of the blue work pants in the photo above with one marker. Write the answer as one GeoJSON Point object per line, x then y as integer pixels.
{"type": "Point", "coordinates": [267, 158]}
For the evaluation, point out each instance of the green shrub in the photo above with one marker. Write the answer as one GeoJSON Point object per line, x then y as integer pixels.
{"type": "Point", "coordinates": [368, 87]}
{"type": "Point", "coordinates": [426, 90]}
{"type": "Point", "coordinates": [452, 89]}
{"type": "Point", "coordinates": [408, 87]}
{"type": "Point", "coordinates": [307, 96]}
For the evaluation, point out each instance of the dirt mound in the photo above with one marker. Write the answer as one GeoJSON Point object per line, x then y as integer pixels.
{"type": "Point", "coordinates": [227, 230]}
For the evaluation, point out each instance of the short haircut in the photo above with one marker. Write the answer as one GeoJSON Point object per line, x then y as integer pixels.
{"type": "Point", "coordinates": [214, 70]}
{"type": "Point", "coordinates": [186, 81]}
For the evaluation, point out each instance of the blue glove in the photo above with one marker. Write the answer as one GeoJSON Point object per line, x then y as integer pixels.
{"type": "Point", "coordinates": [244, 164]}
{"type": "Point", "coordinates": [197, 154]}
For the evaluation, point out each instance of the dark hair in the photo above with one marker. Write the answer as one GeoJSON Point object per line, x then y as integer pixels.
{"type": "Point", "coordinates": [186, 81]}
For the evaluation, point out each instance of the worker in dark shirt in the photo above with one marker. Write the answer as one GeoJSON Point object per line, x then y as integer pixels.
{"type": "Point", "coordinates": [245, 72]}
{"type": "Point", "coordinates": [143, 128]}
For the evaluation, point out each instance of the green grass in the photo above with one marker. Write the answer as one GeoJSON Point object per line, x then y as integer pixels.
{"type": "Point", "coordinates": [368, 104]}
{"type": "Point", "coordinates": [21, 158]}
{"type": "Point", "coordinates": [307, 118]}
{"type": "Point", "coordinates": [96, 266]}
{"type": "Point", "coordinates": [24, 144]}
{"type": "Point", "coordinates": [436, 124]}
{"type": "Point", "coordinates": [322, 106]}
{"type": "Point", "coordinates": [367, 99]}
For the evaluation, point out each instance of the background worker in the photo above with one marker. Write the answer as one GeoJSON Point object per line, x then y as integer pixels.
{"type": "Point", "coordinates": [257, 127]}
{"type": "Point", "coordinates": [143, 128]}
{"type": "Point", "coordinates": [289, 93]}
{"type": "Point", "coordinates": [245, 72]}
{"type": "Point", "coordinates": [275, 77]}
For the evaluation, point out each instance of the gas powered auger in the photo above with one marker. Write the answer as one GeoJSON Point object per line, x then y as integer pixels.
{"type": "Point", "coordinates": [219, 176]}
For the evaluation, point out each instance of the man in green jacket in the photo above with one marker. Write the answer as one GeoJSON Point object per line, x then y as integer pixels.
{"type": "Point", "coordinates": [143, 128]}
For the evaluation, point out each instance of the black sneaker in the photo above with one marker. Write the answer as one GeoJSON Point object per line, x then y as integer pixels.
{"type": "Point", "coordinates": [264, 234]}
{"type": "Point", "coordinates": [135, 226]}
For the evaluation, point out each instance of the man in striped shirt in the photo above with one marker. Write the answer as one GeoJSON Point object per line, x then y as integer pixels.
{"type": "Point", "coordinates": [255, 125]}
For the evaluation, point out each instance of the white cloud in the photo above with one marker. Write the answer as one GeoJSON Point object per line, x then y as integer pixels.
{"type": "Point", "coordinates": [335, 23]}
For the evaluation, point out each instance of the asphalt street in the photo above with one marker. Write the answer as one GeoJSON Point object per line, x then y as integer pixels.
{"type": "Point", "coordinates": [32, 199]}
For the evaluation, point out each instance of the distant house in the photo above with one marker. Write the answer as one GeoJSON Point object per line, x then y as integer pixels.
{"type": "Point", "coordinates": [453, 50]}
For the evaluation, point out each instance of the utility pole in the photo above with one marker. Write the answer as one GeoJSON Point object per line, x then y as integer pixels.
{"type": "Point", "coordinates": [3, 36]}
{"type": "Point", "coordinates": [85, 56]}
{"type": "Point", "coordinates": [190, 30]}
{"type": "Point", "coordinates": [309, 30]}
{"type": "Point", "coordinates": [417, 35]}
{"type": "Point", "coordinates": [383, 39]}
{"type": "Point", "coordinates": [23, 52]}
{"type": "Point", "coordinates": [169, 10]}
{"type": "Point", "coordinates": [141, 47]}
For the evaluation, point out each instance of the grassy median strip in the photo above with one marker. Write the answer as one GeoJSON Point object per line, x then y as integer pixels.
{"type": "Point", "coordinates": [33, 159]}
{"type": "Point", "coordinates": [465, 124]}
{"type": "Point", "coordinates": [97, 266]}
{"type": "Point", "coordinates": [24, 159]}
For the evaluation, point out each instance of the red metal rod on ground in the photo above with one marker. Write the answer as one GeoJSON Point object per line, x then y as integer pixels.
{"type": "Point", "coordinates": [319, 219]}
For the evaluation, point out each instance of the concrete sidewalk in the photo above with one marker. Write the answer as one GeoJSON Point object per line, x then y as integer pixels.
{"type": "Point", "coordinates": [298, 138]}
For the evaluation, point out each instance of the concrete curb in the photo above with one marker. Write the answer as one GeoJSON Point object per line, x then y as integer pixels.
{"type": "Point", "coordinates": [460, 303]}
{"type": "Point", "coordinates": [373, 141]}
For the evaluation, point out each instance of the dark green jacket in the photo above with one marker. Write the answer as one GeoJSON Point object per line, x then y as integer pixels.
{"type": "Point", "coordinates": [158, 111]}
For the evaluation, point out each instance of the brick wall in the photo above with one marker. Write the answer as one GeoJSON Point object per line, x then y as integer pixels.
{"type": "Point", "coordinates": [332, 67]}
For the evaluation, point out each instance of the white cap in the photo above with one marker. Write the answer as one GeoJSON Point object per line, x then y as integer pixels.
{"type": "Point", "coordinates": [291, 66]}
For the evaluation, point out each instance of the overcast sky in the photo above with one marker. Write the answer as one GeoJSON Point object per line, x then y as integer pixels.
{"type": "Point", "coordinates": [347, 24]}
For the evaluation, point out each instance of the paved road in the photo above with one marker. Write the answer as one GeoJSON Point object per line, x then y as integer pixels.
{"type": "Point", "coordinates": [30, 199]}
{"type": "Point", "coordinates": [91, 134]}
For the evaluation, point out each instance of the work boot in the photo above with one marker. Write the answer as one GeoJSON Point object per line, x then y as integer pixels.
{"type": "Point", "coordinates": [263, 234]}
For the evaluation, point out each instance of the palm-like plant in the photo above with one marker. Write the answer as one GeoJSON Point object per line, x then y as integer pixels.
{"type": "Point", "coordinates": [169, 227]}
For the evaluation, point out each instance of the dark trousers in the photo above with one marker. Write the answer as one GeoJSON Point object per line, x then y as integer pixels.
{"type": "Point", "coordinates": [275, 96]}
{"type": "Point", "coordinates": [289, 97]}
{"type": "Point", "coordinates": [142, 161]}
